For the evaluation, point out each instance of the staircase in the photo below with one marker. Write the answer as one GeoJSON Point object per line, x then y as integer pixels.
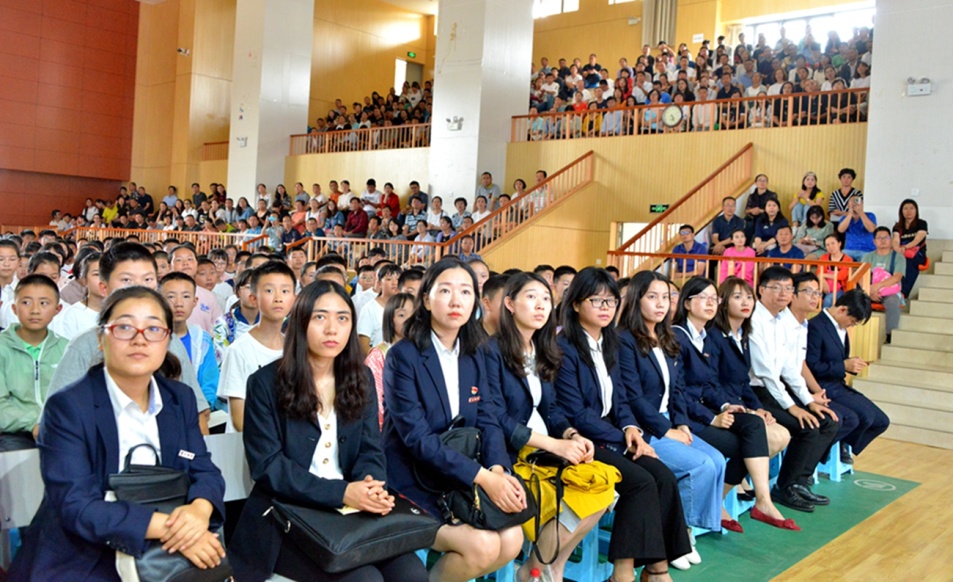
{"type": "Point", "coordinates": [913, 380]}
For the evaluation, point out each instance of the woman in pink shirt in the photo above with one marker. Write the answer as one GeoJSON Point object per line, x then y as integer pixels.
{"type": "Point", "coordinates": [743, 269]}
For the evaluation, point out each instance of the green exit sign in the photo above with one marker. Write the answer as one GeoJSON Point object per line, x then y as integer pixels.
{"type": "Point", "coordinates": [412, 54]}
{"type": "Point", "coordinates": [658, 208]}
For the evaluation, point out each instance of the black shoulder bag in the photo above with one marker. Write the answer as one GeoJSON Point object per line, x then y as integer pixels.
{"type": "Point", "coordinates": [162, 489]}
{"type": "Point", "coordinates": [543, 458]}
{"type": "Point", "coordinates": [470, 505]}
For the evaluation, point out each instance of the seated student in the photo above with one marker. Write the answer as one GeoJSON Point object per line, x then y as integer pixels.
{"type": "Point", "coordinates": [776, 372]}
{"type": "Point", "coordinates": [522, 360]}
{"type": "Point", "coordinates": [649, 529]}
{"type": "Point", "coordinates": [648, 358]}
{"type": "Point", "coordinates": [239, 319]}
{"type": "Point", "coordinates": [396, 312]}
{"type": "Point", "coordinates": [829, 359]}
{"type": "Point", "coordinates": [686, 268]}
{"type": "Point", "coordinates": [724, 224]}
{"type": "Point", "coordinates": [179, 290]}
{"type": "Point", "coordinates": [858, 227]}
{"type": "Point", "coordinates": [29, 352]}
{"type": "Point", "coordinates": [9, 262]}
{"type": "Point", "coordinates": [887, 267]}
{"type": "Point", "coordinates": [766, 227]}
{"type": "Point", "coordinates": [491, 303]}
{"type": "Point", "coordinates": [123, 265]}
{"type": "Point", "coordinates": [810, 236]}
{"type": "Point", "coordinates": [409, 281]}
{"type": "Point", "coordinates": [185, 259]}
{"type": "Point", "coordinates": [370, 320]}
{"type": "Point", "coordinates": [312, 437]}
{"type": "Point", "coordinates": [729, 427]}
{"type": "Point", "coordinates": [87, 430]}
{"type": "Point", "coordinates": [786, 249]}
{"type": "Point", "coordinates": [273, 289]}
{"type": "Point", "coordinates": [45, 263]}
{"type": "Point", "coordinates": [743, 269]}
{"type": "Point", "coordinates": [433, 378]}
{"type": "Point", "coordinates": [461, 206]}
{"type": "Point", "coordinates": [910, 239]}
{"type": "Point", "coordinates": [82, 315]}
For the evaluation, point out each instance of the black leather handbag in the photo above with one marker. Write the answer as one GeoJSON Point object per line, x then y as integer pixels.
{"type": "Point", "coordinates": [471, 505]}
{"type": "Point", "coordinates": [338, 543]}
{"type": "Point", "coordinates": [542, 458]}
{"type": "Point", "coordinates": [162, 489]}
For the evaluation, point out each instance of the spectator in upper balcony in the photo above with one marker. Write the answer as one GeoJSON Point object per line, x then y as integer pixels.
{"type": "Point", "coordinates": [356, 224]}
{"type": "Point", "coordinates": [809, 109]}
{"type": "Point", "coordinates": [591, 71]}
{"type": "Point", "coordinates": [767, 225]}
{"type": "Point", "coordinates": [746, 74]}
{"type": "Point", "coordinates": [724, 224]}
{"type": "Point", "coordinates": [858, 227]}
{"type": "Point", "coordinates": [415, 214]}
{"type": "Point", "coordinates": [850, 67]}
{"type": "Point", "coordinates": [416, 191]}
{"type": "Point", "coordinates": [703, 112]}
{"type": "Point", "coordinates": [689, 246]}
{"type": "Point", "coordinates": [488, 189]}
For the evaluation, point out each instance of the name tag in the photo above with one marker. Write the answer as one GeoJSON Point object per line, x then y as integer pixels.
{"type": "Point", "coordinates": [473, 399]}
{"type": "Point", "coordinates": [186, 455]}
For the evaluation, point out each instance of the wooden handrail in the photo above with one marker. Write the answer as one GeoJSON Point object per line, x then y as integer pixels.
{"type": "Point", "coordinates": [248, 243]}
{"type": "Point", "coordinates": [662, 217]}
{"type": "Point", "coordinates": [339, 140]}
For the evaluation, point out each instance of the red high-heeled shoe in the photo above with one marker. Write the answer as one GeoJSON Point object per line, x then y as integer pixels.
{"type": "Point", "coordinates": [758, 515]}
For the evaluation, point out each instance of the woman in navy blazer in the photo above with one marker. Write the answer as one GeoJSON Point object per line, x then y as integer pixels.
{"type": "Point", "coordinates": [312, 438]}
{"type": "Point", "coordinates": [649, 527]}
{"type": "Point", "coordinates": [738, 435]}
{"type": "Point", "coordinates": [435, 378]}
{"type": "Point", "coordinates": [655, 394]}
{"type": "Point", "coordinates": [521, 361]}
{"type": "Point", "coordinates": [75, 533]}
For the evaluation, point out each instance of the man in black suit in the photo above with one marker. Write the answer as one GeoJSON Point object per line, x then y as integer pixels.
{"type": "Point", "coordinates": [828, 358]}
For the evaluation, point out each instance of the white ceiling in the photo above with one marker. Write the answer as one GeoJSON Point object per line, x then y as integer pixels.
{"type": "Point", "coordinates": [418, 6]}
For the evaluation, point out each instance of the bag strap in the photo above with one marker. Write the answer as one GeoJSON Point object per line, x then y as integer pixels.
{"type": "Point", "coordinates": [893, 260]}
{"type": "Point", "coordinates": [537, 526]}
{"type": "Point", "coordinates": [128, 460]}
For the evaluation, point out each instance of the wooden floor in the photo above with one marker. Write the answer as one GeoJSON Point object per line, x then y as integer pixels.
{"type": "Point", "coordinates": [909, 540]}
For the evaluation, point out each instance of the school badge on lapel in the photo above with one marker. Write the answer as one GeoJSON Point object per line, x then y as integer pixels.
{"type": "Point", "coordinates": [474, 391]}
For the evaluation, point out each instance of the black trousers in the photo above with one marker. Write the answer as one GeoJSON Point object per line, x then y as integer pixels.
{"type": "Point", "coordinates": [293, 563]}
{"type": "Point", "coordinates": [861, 420]}
{"type": "Point", "coordinates": [16, 441]}
{"type": "Point", "coordinates": [649, 524]}
{"type": "Point", "coordinates": [745, 439]}
{"type": "Point", "coordinates": [808, 445]}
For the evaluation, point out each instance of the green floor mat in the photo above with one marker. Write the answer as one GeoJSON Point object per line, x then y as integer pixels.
{"type": "Point", "coordinates": [763, 552]}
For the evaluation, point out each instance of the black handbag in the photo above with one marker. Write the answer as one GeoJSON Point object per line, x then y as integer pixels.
{"type": "Point", "coordinates": [471, 505]}
{"type": "Point", "coordinates": [338, 543]}
{"type": "Point", "coordinates": [162, 489]}
{"type": "Point", "coordinates": [542, 458]}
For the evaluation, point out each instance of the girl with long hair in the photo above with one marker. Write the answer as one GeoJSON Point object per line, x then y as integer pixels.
{"type": "Point", "coordinates": [807, 197]}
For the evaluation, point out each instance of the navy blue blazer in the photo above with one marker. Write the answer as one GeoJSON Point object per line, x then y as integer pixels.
{"type": "Point", "coordinates": [417, 412]}
{"type": "Point", "coordinates": [512, 402]}
{"type": "Point", "coordinates": [279, 452]}
{"type": "Point", "coordinates": [733, 364]}
{"type": "Point", "coordinates": [645, 387]}
{"type": "Point", "coordinates": [699, 374]}
{"type": "Point", "coordinates": [75, 533]}
{"type": "Point", "coordinates": [580, 399]}
{"type": "Point", "coordinates": [826, 355]}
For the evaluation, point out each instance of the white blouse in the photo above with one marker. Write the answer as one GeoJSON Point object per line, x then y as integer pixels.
{"type": "Point", "coordinates": [325, 462]}
{"type": "Point", "coordinates": [666, 378]}
{"type": "Point", "coordinates": [536, 422]}
{"type": "Point", "coordinates": [450, 366]}
{"type": "Point", "coordinates": [605, 381]}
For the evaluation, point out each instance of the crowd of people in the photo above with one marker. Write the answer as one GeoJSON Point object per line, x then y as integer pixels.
{"type": "Point", "coordinates": [597, 100]}
{"type": "Point", "coordinates": [342, 387]}
{"type": "Point", "coordinates": [832, 227]}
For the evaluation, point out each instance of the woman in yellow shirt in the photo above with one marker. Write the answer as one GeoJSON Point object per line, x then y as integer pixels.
{"type": "Point", "coordinates": [809, 195]}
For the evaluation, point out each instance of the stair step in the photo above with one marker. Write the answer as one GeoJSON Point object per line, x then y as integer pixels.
{"type": "Point", "coordinates": [921, 436]}
{"type": "Point", "coordinates": [921, 340]}
{"type": "Point", "coordinates": [926, 324]}
{"type": "Point", "coordinates": [935, 294]}
{"type": "Point", "coordinates": [915, 416]}
{"type": "Point", "coordinates": [925, 308]}
{"type": "Point", "coordinates": [902, 394]}
{"type": "Point", "coordinates": [915, 356]}
{"type": "Point", "coordinates": [943, 269]}
{"type": "Point", "coordinates": [936, 281]}
{"type": "Point", "coordinates": [948, 256]}
{"type": "Point", "coordinates": [904, 374]}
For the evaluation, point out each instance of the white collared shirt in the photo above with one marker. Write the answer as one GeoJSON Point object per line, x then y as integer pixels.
{"type": "Point", "coordinates": [605, 381]}
{"type": "Point", "coordinates": [776, 355]}
{"type": "Point", "coordinates": [450, 366]}
{"type": "Point", "coordinates": [536, 422]}
{"type": "Point", "coordinates": [659, 356]}
{"type": "Point", "coordinates": [737, 338]}
{"type": "Point", "coordinates": [325, 462]}
{"type": "Point", "coordinates": [841, 332]}
{"type": "Point", "coordinates": [697, 337]}
{"type": "Point", "coordinates": [134, 426]}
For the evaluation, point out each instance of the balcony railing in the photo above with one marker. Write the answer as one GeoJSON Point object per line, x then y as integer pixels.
{"type": "Point", "coordinates": [698, 206]}
{"type": "Point", "coordinates": [203, 241]}
{"type": "Point", "coordinates": [214, 150]}
{"type": "Point", "coordinates": [794, 110]}
{"type": "Point", "coordinates": [412, 135]}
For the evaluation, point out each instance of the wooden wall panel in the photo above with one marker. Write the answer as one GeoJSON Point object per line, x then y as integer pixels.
{"type": "Point", "coordinates": [20, 190]}
{"type": "Point", "coordinates": [216, 171]}
{"type": "Point", "coordinates": [734, 10]}
{"type": "Point", "coordinates": [597, 27]}
{"type": "Point", "coordinates": [630, 173]}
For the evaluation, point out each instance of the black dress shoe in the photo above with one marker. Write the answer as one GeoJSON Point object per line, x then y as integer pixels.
{"type": "Point", "coordinates": [789, 498]}
{"type": "Point", "coordinates": [845, 456]}
{"type": "Point", "coordinates": [809, 496]}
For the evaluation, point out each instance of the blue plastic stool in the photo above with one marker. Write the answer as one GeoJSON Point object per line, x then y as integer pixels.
{"type": "Point", "coordinates": [736, 507]}
{"type": "Point", "coordinates": [588, 567]}
{"type": "Point", "coordinates": [834, 468]}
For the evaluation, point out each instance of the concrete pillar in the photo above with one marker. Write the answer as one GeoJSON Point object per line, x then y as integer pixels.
{"type": "Point", "coordinates": [271, 87]}
{"type": "Point", "coordinates": [482, 75]}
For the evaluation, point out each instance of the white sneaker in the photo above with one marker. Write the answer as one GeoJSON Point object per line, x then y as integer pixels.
{"type": "Point", "coordinates": [681, 563]}
{"type": "Point", "coordinates": [694, 557]}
